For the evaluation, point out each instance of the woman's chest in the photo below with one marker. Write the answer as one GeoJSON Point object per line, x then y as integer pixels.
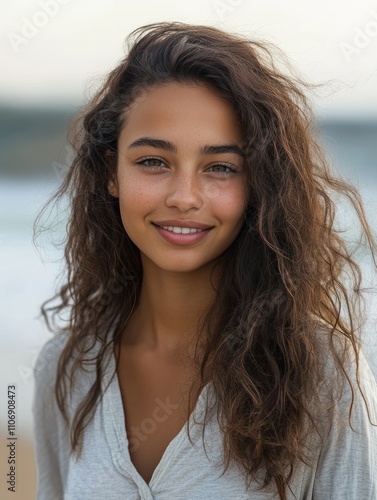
{"type": "Point", "coordinates": [155, 397]}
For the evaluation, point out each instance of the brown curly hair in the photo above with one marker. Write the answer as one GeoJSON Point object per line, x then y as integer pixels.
{"type": "Point", "coordinates": [283, 280]}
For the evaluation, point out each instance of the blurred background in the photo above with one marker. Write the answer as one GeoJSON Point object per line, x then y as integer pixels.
{"type": "Point", "coordinates": [55, 54]}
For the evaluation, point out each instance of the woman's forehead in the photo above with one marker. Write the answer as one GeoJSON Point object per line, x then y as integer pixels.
{"type": "Point", "coordinates": [196, 110]}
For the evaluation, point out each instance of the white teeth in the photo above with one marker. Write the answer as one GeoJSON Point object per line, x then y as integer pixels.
{"type": "Point", "coordinates": [182, 230]}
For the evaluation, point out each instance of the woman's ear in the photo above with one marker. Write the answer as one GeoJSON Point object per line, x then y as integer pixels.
{"type": "Point", "coordinates": [112, 185]}
{"type": "Point", "coordinates": [113, 188]}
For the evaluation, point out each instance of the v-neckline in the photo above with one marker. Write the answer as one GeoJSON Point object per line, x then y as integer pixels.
{"type": "Point", "coordinates": [114, 418]}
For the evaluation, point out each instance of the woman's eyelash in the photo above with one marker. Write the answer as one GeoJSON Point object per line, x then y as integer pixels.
{"type": "Point", "coordinates": [141, 162]}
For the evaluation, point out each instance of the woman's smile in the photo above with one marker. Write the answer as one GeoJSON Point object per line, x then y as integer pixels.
{"type": "Point", "coordinates": [182, 236]}
{"type": "Point", "coordinates": [180, 174]}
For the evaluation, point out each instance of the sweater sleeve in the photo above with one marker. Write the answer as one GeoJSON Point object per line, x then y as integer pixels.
{"type": "Point", "coordinates": [51, 433]}
{"type": "Point", "coordinates": [347, 466]}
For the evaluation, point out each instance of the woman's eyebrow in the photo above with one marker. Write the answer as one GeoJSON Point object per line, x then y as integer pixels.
{"type": "Point", "coordinates": [169, 146]}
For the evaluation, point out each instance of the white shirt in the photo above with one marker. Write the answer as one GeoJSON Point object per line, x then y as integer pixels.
{"type": "Point", "coordinates": [344, 466]}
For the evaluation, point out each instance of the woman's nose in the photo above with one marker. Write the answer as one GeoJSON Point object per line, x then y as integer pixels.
{"type": "Point", "coordinates": [184, 191]}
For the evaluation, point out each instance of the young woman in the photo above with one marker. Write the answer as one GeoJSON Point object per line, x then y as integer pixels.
{"type": "Point", "coordinates": [211, 348]}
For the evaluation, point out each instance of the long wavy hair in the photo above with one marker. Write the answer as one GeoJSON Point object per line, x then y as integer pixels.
{"type": "Point", "coordinates": [283, 280]}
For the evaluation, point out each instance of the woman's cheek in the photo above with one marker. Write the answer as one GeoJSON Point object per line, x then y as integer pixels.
{"type": "Point", "coordinates": [137, 194]}
{"type": "Point", "coordinates": [232, 201]}
{"type": "Point", "coordinates": [212, 189]}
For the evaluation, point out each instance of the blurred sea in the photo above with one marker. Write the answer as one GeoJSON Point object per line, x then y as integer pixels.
{"type": "Point", "coordinates": [34, 155]}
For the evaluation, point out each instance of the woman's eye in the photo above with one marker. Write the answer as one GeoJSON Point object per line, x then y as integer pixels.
{"type": "Point", "coordinates": [220, 165]}
{"type": "Point", "coordinates": [142, 162]}
{"type": "Point", "coordinates": [156, 163]}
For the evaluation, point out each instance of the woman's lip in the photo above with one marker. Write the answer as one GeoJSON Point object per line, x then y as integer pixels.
{"type": "Point", "coordinates": [182, 239]}
{"type": "Point", "coordinates": [182, 223]}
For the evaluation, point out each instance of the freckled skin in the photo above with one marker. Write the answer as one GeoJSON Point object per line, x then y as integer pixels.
{"type": "Point", "coordinates": [182, 185]}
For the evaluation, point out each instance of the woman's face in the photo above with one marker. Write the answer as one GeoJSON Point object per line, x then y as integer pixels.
{"type": "Point", "coordinates": [185, 179]}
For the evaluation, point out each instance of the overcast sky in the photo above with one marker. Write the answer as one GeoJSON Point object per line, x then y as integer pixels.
{"type": "Point", "coordinates": [55, 51]}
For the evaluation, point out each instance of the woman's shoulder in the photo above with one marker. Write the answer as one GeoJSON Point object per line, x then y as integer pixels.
{"type": "Point", "coordinates": [357, 391]}
{"type": "Point", "coordinates": [346, 393]}
{"type": "Point", "coordinates": [53, 346]}
{"type": "Point", "coordinates": [346, 416]}
{"type": "Point", "coordinates": [46, 362]}
{"type": "Point", "coordinates": [80, 361]}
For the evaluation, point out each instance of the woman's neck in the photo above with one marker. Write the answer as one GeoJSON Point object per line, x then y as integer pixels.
{"type": "Point", "coordinates": [169, 308]}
